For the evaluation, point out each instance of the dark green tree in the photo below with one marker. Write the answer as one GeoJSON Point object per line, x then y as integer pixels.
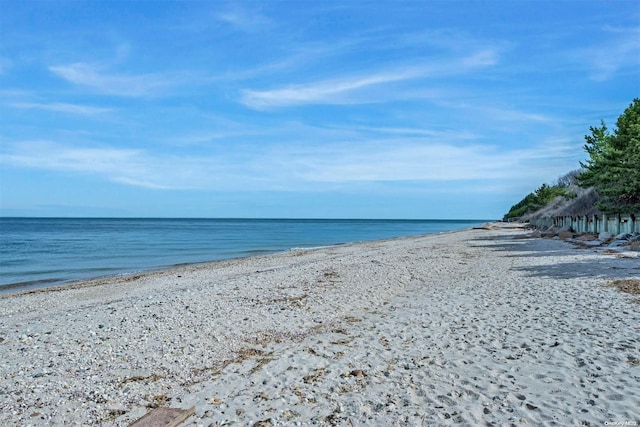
{"type": "Point", "coordinates": [597, 144]}
{"type": "Point", "coordinates": [626, 142]}
{"type": "Point", "coordinates": [613, 167]}
{"type": "Point", "coordinates": [537, 200]}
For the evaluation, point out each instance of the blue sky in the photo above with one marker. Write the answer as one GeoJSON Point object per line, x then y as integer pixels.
{"type": "Point", "coordinates": [354, 109]}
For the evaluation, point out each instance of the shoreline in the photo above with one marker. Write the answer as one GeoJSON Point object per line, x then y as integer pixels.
{"type": "Point", "coordinates": [11, 289]}
{"type": "Point", "coordinates": [112, 247]}
{"type": "Point", "coordinates": [471, 326]}
{"type": "Point", "coordinates": [41, 286]}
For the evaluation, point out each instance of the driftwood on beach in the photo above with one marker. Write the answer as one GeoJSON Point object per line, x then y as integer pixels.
{"type": "Point", "coordinates": [164, 417]}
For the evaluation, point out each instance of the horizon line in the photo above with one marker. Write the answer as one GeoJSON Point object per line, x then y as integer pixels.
{"type": "Point", "coordinates": [248, 218]}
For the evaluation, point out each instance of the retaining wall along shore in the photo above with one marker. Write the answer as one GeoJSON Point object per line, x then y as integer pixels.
{"type": "Point", "coordinates": [614, 223]}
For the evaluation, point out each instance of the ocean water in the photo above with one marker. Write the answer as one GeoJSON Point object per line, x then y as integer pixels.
{"type": "Point", "coordinates": [38, 252]}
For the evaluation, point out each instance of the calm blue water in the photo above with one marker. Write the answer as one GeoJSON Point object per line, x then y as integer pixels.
{"type": "Point", "coordinates": [36, 252]}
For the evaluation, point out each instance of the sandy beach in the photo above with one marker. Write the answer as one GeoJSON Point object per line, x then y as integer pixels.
{"type": "Point", "coordinates": [476, 327]}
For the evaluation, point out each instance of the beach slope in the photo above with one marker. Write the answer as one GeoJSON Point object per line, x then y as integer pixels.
{"type": "Point", "coordinates": [475, 327]}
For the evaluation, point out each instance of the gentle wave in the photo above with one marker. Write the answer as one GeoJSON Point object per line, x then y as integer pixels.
{"type": "Point", "coordinates": [308, 248]}
{"type": "Point", "coordinates": [30, 285]}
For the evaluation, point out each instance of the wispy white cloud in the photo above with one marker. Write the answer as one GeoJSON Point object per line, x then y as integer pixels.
{"type": "Point", "coordinates": [411, 160]}
{"type": "Point", "coordinates": [134, 167]}
{"type": "Point", "coordinates": [444, 39]}
{"type": "Point", "coordinates": [325, 92]}
{"type": "Point", "coordinates": [296, 57]}
{"type": "Point", "coordinates": [621, 51]}
{"type": "Point", "coordinates": [337, 91]}
{"type": "Point", "coordinates": [58, 157]}
{"type": "Point", "coordinates": [407, 132]}
{"type": "Point", "coordinates": [248, 20]}
{"type": "Point", "coordinates": [499, 114]}
{"type": "Point", "coordinates": [84, 110]}
{"type": "Point", "coordinates": [113, 84]}
{"type": "Point", "coordinates": [294, 167]}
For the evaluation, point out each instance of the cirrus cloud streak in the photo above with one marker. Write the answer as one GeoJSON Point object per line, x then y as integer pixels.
{"type": "Point", "coordinates": [338, 91]}
{"type": "Point", "coordinates": [286, 167]}
{"type": "Point", "coordinates": [127, 85]}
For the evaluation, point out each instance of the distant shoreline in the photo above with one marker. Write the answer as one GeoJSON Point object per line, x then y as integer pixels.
{"type": "Point", "coordinates": [19, 288]}
{"type": "Point", "coordinates": [45, 252]}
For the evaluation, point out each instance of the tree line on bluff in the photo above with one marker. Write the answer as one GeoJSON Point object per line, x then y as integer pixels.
{"type": "Point", "coordinates": [607, 182]}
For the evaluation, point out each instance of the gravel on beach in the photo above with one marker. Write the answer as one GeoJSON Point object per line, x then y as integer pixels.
{"type": "Point", "coordinates": [475, 327]}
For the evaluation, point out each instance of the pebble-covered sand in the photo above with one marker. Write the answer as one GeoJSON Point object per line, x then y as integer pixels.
{"type": "Point", "coordinates": [470, 328]}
